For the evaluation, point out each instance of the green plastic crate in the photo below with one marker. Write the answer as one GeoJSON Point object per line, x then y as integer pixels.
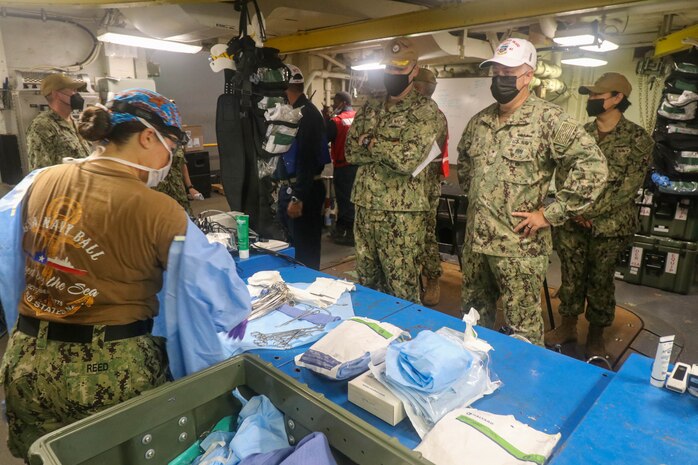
{"type": "Point", "coordinates": [675, 217]}
{"type": "Point", "coordinates": [670, 265]}
{"type": "Point", "coordinates": [629, 265]}
{"type": "Point", "coordinates": [158, 425]}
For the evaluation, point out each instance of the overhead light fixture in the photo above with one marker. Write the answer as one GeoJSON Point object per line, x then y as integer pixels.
{"type": "Point", "coordinates": [584, 61]}
{"type": "Point", "coordinates": [146, 42]}
{"type": "Point", "coordinates": [589, 37]}
{"type": "Point", "coordinates": [605, 46]}
{"type": "Point", "coordinates": [368, 66]}
{"type": "Point", "coordinates": [574, 41]}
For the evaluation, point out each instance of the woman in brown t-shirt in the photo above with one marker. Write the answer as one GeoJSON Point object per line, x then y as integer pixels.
{"type": "Point", "coordinates": [96, 240]}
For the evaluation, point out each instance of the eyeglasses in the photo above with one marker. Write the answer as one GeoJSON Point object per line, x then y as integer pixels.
{"type": "Point", "coordinates": [178, 138]}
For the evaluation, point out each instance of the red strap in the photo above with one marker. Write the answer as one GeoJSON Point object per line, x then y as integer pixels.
{"type": "Point", "coordinates": [445, 167]}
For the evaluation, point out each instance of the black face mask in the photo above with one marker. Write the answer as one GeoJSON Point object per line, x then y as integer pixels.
{"type": "Point", "coordinates": [396, 84]}
{"type": "Point", "coordinates": [595, 106]}
{"type": "Point", "coordinates": [77, 102]}
{"type": "Point", "coordinates": [504, 88]}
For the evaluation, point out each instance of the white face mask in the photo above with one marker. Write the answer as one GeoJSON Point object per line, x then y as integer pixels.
{"type": "Point", "coordinates": [155, 176]}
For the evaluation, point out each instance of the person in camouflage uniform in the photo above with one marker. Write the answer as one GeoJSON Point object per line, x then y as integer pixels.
{"type": "Point", "coordinates": [506, 160]}
{"type": "Point", "coordinates": [74, 380]}
{"type": "Point", "coordinates": [425, 84]}
{"type": "Point", "coordinates": [173, 185]}
{"type": "Point", "coordinates": [588, 245]}
{"type": "Point", "coordinates": [94, 264]}
{"type": "Point", "coordinates": [53, 135]}
{"type": "Point", "coordinates": [388, 140]}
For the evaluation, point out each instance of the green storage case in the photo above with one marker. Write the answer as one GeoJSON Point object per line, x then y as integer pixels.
{"type": "Point", "coordinates": [670, 266]}
{"type": "Point", "coordinates": [675, 217]}
{"type": "Point", "coordinates": [158, 425]}
{"type": "Point", "coordinates": [629, 266]}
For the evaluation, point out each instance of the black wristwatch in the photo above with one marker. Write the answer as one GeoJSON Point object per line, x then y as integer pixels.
{"type": "Point", "coordinates": [367, 141]}
{"type": "Point", "coordinates": [189, 187]}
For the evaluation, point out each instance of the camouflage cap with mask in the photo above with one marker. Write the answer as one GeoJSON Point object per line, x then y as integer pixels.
{"type": "Point", "coordinates": [399, 53]}
{"type": "Point", "coordinates": [400, 58]}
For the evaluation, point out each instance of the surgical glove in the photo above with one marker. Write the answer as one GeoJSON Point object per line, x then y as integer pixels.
{"type": "Point", "coordinates": [238, 332]}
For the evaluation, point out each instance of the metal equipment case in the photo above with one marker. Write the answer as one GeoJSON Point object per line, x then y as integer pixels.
{"type": "Point", "coordinates": [158, 425]}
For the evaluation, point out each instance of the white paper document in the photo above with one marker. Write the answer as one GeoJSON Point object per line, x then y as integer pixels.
{"type": "Point", "coordinates": [433, 153]}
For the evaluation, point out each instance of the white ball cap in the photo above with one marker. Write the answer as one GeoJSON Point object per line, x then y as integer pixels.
{"type": "Point", "coordinates": [296, 75]}
{"type": "Point", "coordinates": [513, 52]}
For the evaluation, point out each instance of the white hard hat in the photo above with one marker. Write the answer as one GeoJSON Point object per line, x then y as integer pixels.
{"type": "Point", "coordinates": [513, 52]}
{"type": "Point", "coordinates": [219, 59]}
{"type": "Point", "coordinates": [296, 74]}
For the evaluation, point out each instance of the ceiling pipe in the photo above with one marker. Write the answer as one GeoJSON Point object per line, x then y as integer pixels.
{"type": "Point", "coordinates": [323, 75]}
{"type": "Point", "coordinates": [548, 26]}
{"type": "Point", "coordinates": [332, 60]}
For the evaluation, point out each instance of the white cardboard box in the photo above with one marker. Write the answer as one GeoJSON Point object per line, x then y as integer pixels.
{"type": "Point", "coordinates": [369, 394]}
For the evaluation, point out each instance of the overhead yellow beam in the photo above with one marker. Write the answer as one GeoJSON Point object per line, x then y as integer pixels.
{"type": "Point", "coordinates": [454, 16]}
{"type": "Point", "coordinates": [98, 3]}
{"type": "Point", "coordinates": [674, 42]}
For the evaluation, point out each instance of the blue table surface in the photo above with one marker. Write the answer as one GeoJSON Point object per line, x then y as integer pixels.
{"type": "Point", "coordinates": [604, 417]}
{"type": "Point", "coordinates": [259, 261]}
{"type": "Point", "coordinates": [633, 422]}
{"type": "Point", "coordinates": [525, 370]}
{"type": "Point", "coordinates": [366, 302]}
{"type": "Point", "coordinates": [531, 376]}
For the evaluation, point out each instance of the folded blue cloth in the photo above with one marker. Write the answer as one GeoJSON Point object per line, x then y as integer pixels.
{"type": "Point", "coordinates": [260, 427]}
{"type": "Point", "coordinates": [428, 363]}
{"type": "Point", "coordinates": [311, 450]}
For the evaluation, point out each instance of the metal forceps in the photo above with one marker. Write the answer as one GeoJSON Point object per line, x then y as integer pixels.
{"type": "Point", "coordinates": [283, 339]}
{"type": "Point", "coordinates": [312, 311]}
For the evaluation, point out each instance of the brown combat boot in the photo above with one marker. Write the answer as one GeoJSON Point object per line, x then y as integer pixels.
{"type": "Point", "coordinates": [566, 332]}
{"type": "Point", "coordinates": [595, 344]}
{"type": "Point", "coordinates": [432, 292]}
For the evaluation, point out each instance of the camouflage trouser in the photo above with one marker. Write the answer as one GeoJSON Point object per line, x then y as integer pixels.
{"type": "Point", "coordinates": [588, 264]}
{"type": "Point", "coordinates": [173, 184]}
{"type": "Point", "coordinates": [431, 260]}
{"type": "Point", "coordinates": [517, 280]}
{"type": "Point", "coordinates": [50, 384]}
{"type": "Point", "coordinates": [389, 246]}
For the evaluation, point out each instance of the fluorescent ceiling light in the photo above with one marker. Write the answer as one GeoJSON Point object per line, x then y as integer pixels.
{"type": "Point", "coordinates": [573, 41]}
{"type": "Point", "coordinates": [368, 66]}
{"type": "Point", "coordinates": [605, 46]}
{"type": "Point", "coordinates": [584, 61]}
{"type": "Point", "coordinates": [146, 42]}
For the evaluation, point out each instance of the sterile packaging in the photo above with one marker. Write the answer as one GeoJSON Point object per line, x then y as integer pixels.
{"type": "Point", "coordinates": [369, 394]}
{"type": "Point", "coordinates": [473, 436]}
{"type": "Point", "coordinates": [422, 373]}
{"type": "Point", "coordinates": [347, 350]}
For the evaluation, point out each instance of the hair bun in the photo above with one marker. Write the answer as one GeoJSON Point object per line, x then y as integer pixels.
{"type": "Point", "coordinates": [95, 123]}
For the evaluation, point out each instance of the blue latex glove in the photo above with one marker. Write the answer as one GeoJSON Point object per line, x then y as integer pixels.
{"type": "Point", "coordinates": [660, 180]}
{"type": "Point", "coordinates": [238, 332]}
